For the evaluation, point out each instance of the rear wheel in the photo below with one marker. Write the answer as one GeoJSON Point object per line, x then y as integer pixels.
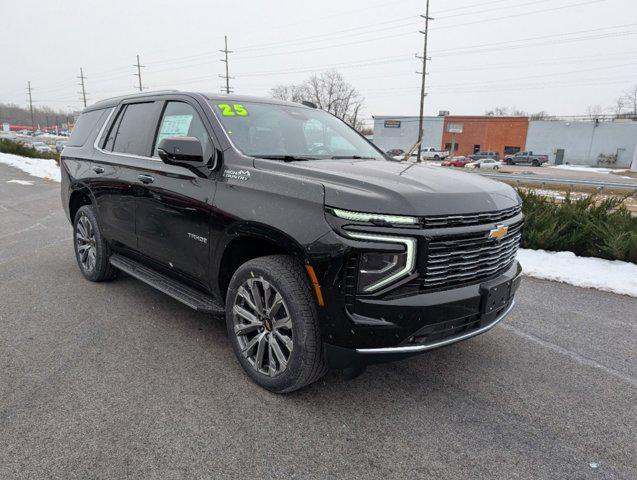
{"type": "Point", "coordinates": [436, 157]}
{"type": "Point", "coordinates": [91, 249]}
{"type": "Point", "coordinates": [273, 325]}
{"type": "Point", "coordinates": [535, 163]}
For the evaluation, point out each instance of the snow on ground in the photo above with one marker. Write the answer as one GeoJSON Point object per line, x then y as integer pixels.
{"type": "Point", "coordinates": [20, 182]}
{"type": "Point", "coordinates": [608, 275]}
{"type": "Point", "coordinates": [37, 167]}
{"type": "Point", "coordinates": [584, 168]}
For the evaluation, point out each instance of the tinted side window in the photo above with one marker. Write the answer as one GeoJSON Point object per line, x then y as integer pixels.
{"type": "Point", "coordinates": [182, 120]}
{"type": "Point", "coordinates": [134, 132]}
{"type": "Point", "coordinates": [85, 125]}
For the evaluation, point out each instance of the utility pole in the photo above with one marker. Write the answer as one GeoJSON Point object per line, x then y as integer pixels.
{"type": "Point", "coordinates": [227, 77]}
{"type": "Point", "coordinates": [423, 94]}
{"type": "Point", "coordinates": [81, 84]}
{"type": "Point", "coordinates": [29, 89]}
{"type": "Point", "coordinates": [139, 73]}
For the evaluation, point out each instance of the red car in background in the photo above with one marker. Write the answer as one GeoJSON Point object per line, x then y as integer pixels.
{"type": "Point", "coordinates": [456, 162]}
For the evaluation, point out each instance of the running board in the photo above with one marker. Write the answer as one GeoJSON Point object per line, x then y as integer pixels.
{"type": "Point", "coordinates": [187, 295]}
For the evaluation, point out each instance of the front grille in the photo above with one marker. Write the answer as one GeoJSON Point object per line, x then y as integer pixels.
{"type": "Point", "coordinates": [439, 221]}
{"type": "Point", "coordinates": [459, 259]}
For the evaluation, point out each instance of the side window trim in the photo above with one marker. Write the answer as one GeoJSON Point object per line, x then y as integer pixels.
{"type": "Point", "coordinates": [100, 139]}
{"type": "Point", "coordinates": [108, 127]}
{"type": "Point", "coordinates": [202, 119]}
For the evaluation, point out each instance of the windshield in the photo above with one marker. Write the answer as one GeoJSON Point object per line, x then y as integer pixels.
{"type": "Point", "coordinates": [289, 132]}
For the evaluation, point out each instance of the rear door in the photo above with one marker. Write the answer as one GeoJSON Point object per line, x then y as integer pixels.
{"type": "Point", "coordinates": [174, 210]}
{"type": "Point", "coordinates": [119, 153]}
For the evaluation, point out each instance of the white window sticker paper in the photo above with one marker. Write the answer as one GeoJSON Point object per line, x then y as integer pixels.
{"type": "Point", "coordinates": [174, 126]}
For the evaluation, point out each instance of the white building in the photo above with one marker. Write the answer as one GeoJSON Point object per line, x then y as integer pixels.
{"type": "Point", "coordinates": [582, 143]}
{"type": "Point", "coordinates": [391, 132]}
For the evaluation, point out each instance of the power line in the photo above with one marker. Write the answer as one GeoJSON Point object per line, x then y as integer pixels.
{"type": "Point", "coordinates": [227, 76]}
{"type": "Point", "coordinates": [523, 14]}
{"type": "Point", "coordinates": [83, 93]}
{"type": "Point", "coordinates": [139, 73]}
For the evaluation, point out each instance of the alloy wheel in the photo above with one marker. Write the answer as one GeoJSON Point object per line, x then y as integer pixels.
{"type": "Point", "coordinates": [85, 240]}
{"type": "Point", "coordinates": [262, 326]}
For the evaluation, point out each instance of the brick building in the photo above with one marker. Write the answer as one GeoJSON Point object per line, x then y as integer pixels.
{"type": "Point", "coordinates": [473, 133]}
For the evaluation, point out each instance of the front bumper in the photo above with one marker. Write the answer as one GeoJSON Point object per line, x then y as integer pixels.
{"type": "Point", "coordinates": [424, 322]}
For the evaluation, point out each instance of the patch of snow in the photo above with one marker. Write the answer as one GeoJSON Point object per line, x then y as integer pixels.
{"type": "Point", "coordinates": [37, 167]}
{"type": "Point", "coordinates": [20, 182]}
{"type": "Point", "coordinates": [584, 168]}
{"type": "Point", "coordinates": [608, 275]}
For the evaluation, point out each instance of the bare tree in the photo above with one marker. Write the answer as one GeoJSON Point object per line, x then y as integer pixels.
{"type": "Point", "coordinates": [328, 91]}
{"type": "Point", "coordinates": [594, 111]}
{"type": "Point", "coordinates": [618, 107]}
{"type": "Point", "coordinates": [541, 115]}
{"type": "Point", "coordinates": [289, 93]}
{"type": "Point", "coordinates": [630, 97]}
{"type": "Point", "coordinates": [506, 112]}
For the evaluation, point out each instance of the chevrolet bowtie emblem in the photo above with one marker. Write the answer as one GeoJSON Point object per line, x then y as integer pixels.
{"type": "Point", "coordinates": [498, 232]}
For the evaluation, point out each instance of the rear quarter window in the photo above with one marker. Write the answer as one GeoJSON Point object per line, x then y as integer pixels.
{"type": "Point", "coordinates": [88, 123]}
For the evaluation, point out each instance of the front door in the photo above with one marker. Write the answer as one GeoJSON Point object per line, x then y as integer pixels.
{"type": "Point", "coordinates": [174, 211]}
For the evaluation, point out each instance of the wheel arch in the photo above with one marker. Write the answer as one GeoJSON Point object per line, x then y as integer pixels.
{"type": "Point", "coordinates": [247, 241]}
{"type": "Point", "coordinates": [79, 197]}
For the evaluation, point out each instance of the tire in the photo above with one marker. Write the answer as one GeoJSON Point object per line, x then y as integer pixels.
{"type": "Point", "coordinates": [496, 168]}
{"type": "Point", "coordinates": [535, 163]}
{"type": "Point", "coordinates": [91, 249]}
{"type": "Point", "coordinates": [305, 361]}
{"type": "Point", "coordinates": [436, 157]}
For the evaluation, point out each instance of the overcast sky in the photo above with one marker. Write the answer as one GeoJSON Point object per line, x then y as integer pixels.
{"type": "Point", "coordinates": [553, 55]}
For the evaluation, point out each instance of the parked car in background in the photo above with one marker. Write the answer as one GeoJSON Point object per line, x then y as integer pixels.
{"type": "Point", "coordinates": [59, 145]}
{"type": "Point", "coordinates": [431, 153]}
{"type": "Point", "coordinates": [485, 154]}
{"type": "Point", "coordinates": [526, 158]}
{"type": "Point", "coordinates": [456, 162]}
{"type": "Point", "coordinates": [41, 147]}
{"type": "Point", "coordinates": [395, 152]}
{"type": "Point", "coordinates": [484, 164]}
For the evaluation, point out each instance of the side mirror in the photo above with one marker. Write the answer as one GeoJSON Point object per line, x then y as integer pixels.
{"type": "Point", "coordinates": [186, 151]}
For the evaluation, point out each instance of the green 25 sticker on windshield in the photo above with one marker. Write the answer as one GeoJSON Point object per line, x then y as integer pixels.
{"type": "Point", "coordinates": [228, 110]}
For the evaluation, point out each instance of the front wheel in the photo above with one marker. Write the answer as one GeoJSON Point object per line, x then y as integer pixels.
{"type": "Point", "coordinates": [273, 325]}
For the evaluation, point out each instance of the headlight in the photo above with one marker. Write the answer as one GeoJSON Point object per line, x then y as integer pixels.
{"type": "Point", "coordinates": [371, 217]}
{"type": "Point", "coordinates": [379, 269]}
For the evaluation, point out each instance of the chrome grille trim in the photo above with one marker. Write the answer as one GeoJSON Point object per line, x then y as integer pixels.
{"type": "Point", "coordinates": [461, 259]}
{"type": "Point", "coordinates": [438, 221]}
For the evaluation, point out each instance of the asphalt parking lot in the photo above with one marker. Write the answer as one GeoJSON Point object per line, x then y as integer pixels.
{"type": "Point", "coordinates": [116, 380]}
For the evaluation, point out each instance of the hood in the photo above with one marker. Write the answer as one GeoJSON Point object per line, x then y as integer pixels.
{"type": "Point", "coordinates": [403, 188]}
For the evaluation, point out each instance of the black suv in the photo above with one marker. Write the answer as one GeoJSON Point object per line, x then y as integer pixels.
{"type": "Point", "coordinates": [321, 251]}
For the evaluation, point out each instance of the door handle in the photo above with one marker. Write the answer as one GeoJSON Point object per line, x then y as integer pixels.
{"type": "Point", "coordinates": [145, 178]}
{"type": "Point", "coordinates": [98, 170]}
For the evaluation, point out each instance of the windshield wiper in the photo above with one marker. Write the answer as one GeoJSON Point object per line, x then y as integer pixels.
{"type": "Point", "coordinates": [287, 158]}
{"type": "Point", "coordinates": [351, 157]}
